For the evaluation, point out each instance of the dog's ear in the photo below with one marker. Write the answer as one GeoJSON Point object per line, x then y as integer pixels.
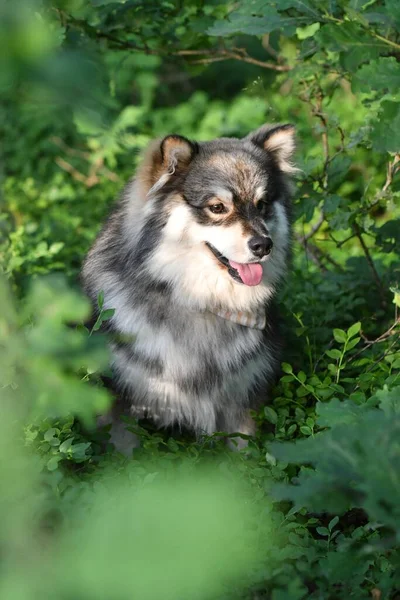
{"type": "Point", "coordinates": [278, 140]}
{"type": "Point", "coordinates": [163, 159]}
{"type": "Point", "coordinates": [176, 152]}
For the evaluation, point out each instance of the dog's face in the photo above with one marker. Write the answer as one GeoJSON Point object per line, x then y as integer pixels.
{"type": "Point", "coordinates": [227, 199]}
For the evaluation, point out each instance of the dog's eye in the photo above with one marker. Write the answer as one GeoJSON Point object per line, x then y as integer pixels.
{"type": "Point", "coordinates": [264, 208]}
{"type": "Point", "coordinates": [217, 209]}
{"type": "Point", "coordinates": [261, 205]}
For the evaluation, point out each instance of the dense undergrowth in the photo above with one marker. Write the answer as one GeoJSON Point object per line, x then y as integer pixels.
{"type": "Point", "coordinates": [311, 509]}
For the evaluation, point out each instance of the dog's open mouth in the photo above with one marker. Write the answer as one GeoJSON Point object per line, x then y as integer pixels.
{"type": "Point", "coordinates": [247, 273]}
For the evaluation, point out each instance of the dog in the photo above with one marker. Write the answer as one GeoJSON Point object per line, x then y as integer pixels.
{"type": "Point", "coordinates": [190, 259]}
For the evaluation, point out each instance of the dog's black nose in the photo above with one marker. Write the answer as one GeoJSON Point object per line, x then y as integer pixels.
{"type": "Point", "coordinates": [260, 246]}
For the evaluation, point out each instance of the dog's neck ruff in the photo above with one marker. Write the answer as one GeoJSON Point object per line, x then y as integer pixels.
{"type": "Point", "coordinates": [254, 320]}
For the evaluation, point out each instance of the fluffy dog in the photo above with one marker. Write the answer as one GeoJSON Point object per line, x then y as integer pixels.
{"type": "Point", "coordinates": [191, 258]}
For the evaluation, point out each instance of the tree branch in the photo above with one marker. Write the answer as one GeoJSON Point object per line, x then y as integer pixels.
{"type": "Point", "coordinates": [371, 264]}
{"type": "Point", "coordinates": [209, 54]}
{"type": "Point", "coordinates": [314, 229]}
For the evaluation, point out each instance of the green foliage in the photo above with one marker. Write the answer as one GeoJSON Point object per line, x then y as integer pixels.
{"type": "Point", "coordinates": [85, 85]}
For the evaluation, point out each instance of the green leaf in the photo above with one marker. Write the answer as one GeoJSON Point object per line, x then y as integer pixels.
{"type": "Point", "coordinates": [301, 392]}
{"type": "Point", "coordinates": [97, 324]}
{"type": "Point", "coordinates": [270, 415]}
{"type": "Point", "coordinates": [66, 445]}
{"type": "Point", "coordinates": [354, 15]}
{"type": "Point", "coordinates": [248, 22]}
{"type": "Point", "coordinates": [393, 10]}
{"type": "Point", "coordinates": [302, 6]}
{"type": "Point", "coordinates": [388, 120]}
{"type": "Point", "coordinates": [340, 335]}
{"type": "Point", "coordinates": [286, 368]}
{"type": "Point", "coordinates": [78, 451]}
{"type": "Point", "coordinates": [333, 523]}
{"type": "Point", "coordinates": [308, 31]}
{"type": "Point", "coordinates": [335, 354]}
{"type": "Point", "coordinates": [306, 430]}
{"type": "Point", "coordinates": [396, 296]}
{"type": "Point", "coordinates": [50, 433]}
{"type": "Point", "coordinates": [52, 464]}
{"type": "Point", "coordinates": [323, 531]}
{"type": "Point", "coordinates": [107, 314]}
{"type": "Point", "coordinates": [350, 39]}
{"type": "Point", "coordinates": [354, 329]}
{"type": "Point", "coordinates": [352, 343]}
{"type": "Point", "coordinates": [100, 299]}
{"type": "Point", "coordinates": [381, 75]}
{"type": "Point", "coordinates": [302, 376]}
{"type": "Point", "coordinates": [271, 460]}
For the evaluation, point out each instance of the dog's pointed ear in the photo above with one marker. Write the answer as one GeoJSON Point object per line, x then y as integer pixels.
{"type": "Point", "coordinates": [177, 152]}
{"type": "Point", "coordinates": [163, 159]}
{"type": "Point", "coordinates": [278, 140]}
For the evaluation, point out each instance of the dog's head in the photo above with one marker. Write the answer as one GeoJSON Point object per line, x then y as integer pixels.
{"type": "Point", "coordinates": [227, 199]}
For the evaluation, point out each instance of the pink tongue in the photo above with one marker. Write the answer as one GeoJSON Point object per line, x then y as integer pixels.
{"type": "Point", "coordinates": [250, 273]}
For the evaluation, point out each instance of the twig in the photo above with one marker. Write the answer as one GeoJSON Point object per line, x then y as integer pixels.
{"type": "Point", "coordinates": [387, 352]}
{"type": "Point", "coordinates": [338, 243]}
{"type": "Point", "coordinates": [371, 264]}
{"type": "Point", "coordinates": [92, 178]}
{"type": "Point", "coordinates": [71, 151]}
{"type": "Point", "coordinates": [210, 54]}
{"type": "Point", "coordinates": [317, 255]}
{"type": "Point", "coordinates": [384, 335]}
{"type": "Point", "coordinates": [220, 55]}
{"type": "Point", "coordinates": [98, 165]}
{"type": "Point", "coordinates": [266, 45]}
{"type": "Point", "coordinates": [382, 338]}
{"type": "Point", "coordinates": [384, 354]}
{"type": "Point", "coordinates": [324, 135]}
{"type": "Point", "coordinates": [323, 255]}
{"type": "Point", "coordinates": [342, 146]}
{"type": "Point", "coordinates": [314, 229]}
{"type": "Point", "coordinates": [66, 166]}
{"type": "Point", "coordinates": [393, 168]}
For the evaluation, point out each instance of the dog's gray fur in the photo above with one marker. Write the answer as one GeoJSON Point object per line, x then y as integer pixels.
{"type": "Point", "coordinates": [178, 362]}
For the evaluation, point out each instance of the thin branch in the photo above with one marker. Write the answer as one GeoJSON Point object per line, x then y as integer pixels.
{"type": "Point", "coordinates": [237, 54]}
{"type": "Point", "coordinates": [210, 55]}
{"type": "Point", "coordinates": [387, 352]}
{"type": "Point", "coordinates": [371, 264]}
{"type": "Point", "coordinates": [96, 166]}
{"type": "Point", "coordinates": [393, 168]}
{"type": "Point", "coordinates": [266, 45]}
{"type": "Point", "coordinates": [66, 166]}
{"type": "Point", "coordinates": [313, 229]}
{"type": "Point", "coordinates": [384, 40]}
{"type": "Point", "coordinates": [207, 61]}
{"type": "Point", "coordinates": [383, 336]}
{"type": "Point", "coordinates": [324, 256]}
{"type": "Point", "coordinates": [68, 150]}
{"type": "Point", "coordinates": [324, 134]}
{"type": "Point", "coordinates": [93, 177]}
{"type": "Point", "coordinates": [317, 255]}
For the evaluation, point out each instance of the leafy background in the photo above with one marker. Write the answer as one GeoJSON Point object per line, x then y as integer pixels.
{"type": "Point", "coordinates": [311, 508]}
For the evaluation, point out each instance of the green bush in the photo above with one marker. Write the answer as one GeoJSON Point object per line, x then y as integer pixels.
{"type": "Point", "coordinates": [311, 508]}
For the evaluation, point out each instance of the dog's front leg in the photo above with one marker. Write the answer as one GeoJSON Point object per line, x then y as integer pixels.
{"type": "Point", "coordinates": [124, 441]}
{"type": "Point", "coordinates": [237, 422]}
